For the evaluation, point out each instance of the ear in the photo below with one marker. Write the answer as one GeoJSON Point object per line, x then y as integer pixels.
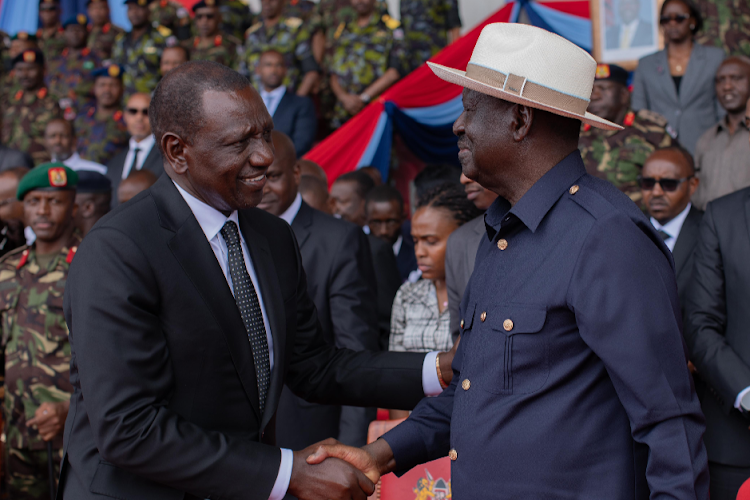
{"type": "Point", "coordinates": [523, 117]}
{"type": "Point", "coordinates": [693, 184]}
{"type": "Point", "coordinates": [625, 97]}
{"type": "Point", "coordinates": [174, 152]}
{"type": "Point", "coordinates": [296, 173]}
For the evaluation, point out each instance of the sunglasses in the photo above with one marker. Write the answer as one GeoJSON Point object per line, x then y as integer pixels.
{"type": "Point", "coordinates": [667, 185]}
{"type": "Point", "coordinates": [135, 111]}
{"type": "Point", "coordinates": [48, 9]}
{"type": "Point", "coordinates": [205, 16]}
{"type": "Point", "coordinates": [678, 18]}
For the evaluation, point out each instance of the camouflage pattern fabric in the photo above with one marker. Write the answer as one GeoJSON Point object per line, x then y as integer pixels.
{"type": "Point", "coordinates": [100, 140]}
{"type": "Point", "coordinates": [236, 18]}
{"type": "Point", "coordinates": [726, 24]}
{"type": "Point", "coordinates": [24, 120]}
{"type": "Point", "coordinates": [51, 44]}
{"type": "Point", "coordinates": [69, 78]}
{"type": "Point", "coordinates": [618, 155]}
{"type": "Point", "coordinates": [221, 49]}
{"type": "Point", "coordinates": [303, 9]}
{"type": "Point", "coordinates": [329, 14]}
{"type": "Point", "coordinates": [102, 38]}
{"type": "Point", "coordinates": [140, 58]}
{"type": "Point", "coordinates": [169, 14]}
{"type": "Point", "coordinates": [27, 473]}
{"type": "Point", "coordinates": [426, 24]}
{"type": "Point", "coordinates": [290, 36]}
{"type": "Point", "coordinates": [362, 55]}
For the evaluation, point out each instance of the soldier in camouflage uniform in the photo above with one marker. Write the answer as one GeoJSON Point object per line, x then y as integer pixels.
{"type": "Point", "coordinates": [429, 25]}
{"type": "Point", "coordinates": [172, 15]}
{"type": "Point", "coordinates": [100, 127]}
{"type": "Point", "coordinates": [211, 44]}
{"type": "Point", "coordinates": [69, 74]}
{"type": "Point", "coordinates": [139, 50]}
{"type": "Point", "coordinates": [618, 155]}
{"type": "Point", "coordinates": [50, 35]}
{"type": "Point", "coordinates": [102, 32]}
{"type": "Point", "coordinates": [34, 334]}
{"type": "Point", "coordinates": [236, 18]}
{"type": "Point", "coordinates": [30, 108]}
{"type": "Point", "coordinates": [19, 42]}
{"type": "Point", "coordinates": [291, 38]}
{"type": "Point", "coordinates": [368, 58]}
{"type": "Point", "coordinates": [726, 24]}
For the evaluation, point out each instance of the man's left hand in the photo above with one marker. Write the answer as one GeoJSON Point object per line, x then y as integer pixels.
{"type": "Point", "coordinates": [49, 419]}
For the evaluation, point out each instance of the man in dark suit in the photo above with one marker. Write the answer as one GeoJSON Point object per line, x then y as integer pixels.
{"type": "Point", "coordinates": [292, 114]}
{"type": "Point", "coordinates": [632, 31]}
{"type": "Point", "coordinates": [718, 322]}
{"type": "Point", "coordinates": [668, 182]}
{"type": "Point", "coordinates": [142, 153]}
{"type": "Point", "coordinates": [340, 281]}
{"type": "Point", "coordinates": [188, 312]}
{"type": "Point", "coordinates": [11, 158]}
{"type": "Point", "coordinates": [384, 207]}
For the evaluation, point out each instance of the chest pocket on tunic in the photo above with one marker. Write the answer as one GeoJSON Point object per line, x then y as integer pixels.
{"type": "Point", "coordinates": [515, 354]}
{"type": "Point", "coordinates": [55, 328]}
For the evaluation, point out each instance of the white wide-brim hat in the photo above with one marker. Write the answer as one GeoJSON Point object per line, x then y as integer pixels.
{"type": "Point", "coordinates": [530, 66]}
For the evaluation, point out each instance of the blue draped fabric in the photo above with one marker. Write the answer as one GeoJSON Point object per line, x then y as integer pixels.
{"type": "Point", "coordinates": [430, 143]}
{"type": "Point", "coordinates": [23, 15]}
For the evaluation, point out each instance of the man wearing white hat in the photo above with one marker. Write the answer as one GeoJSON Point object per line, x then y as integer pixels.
{"type": "Point", "coordinates": [570, 381]}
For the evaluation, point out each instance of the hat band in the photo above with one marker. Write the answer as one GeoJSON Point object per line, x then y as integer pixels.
{"type": "Point", "coordinates": [518, 85]}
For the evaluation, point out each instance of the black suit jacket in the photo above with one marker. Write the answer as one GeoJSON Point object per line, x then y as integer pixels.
{"type": "Point", "coordinates": [295, 116]}
{"type": "Point", "coordinates": [387, 283]}
{"type": "Point", "coordinates": [10, 158]}
{"type": "Point", "coordinates": [116, 165]}
{"type": "Point", "coordinates": [406, 260]}
{"type": "Point", "coordinates": [684, 252]}
{"type": "Point", "coordinates": [718, 325]}
{"type": "Point", "coordinates": [340, 281]}
{"type": "Point", "coordinates": [165, 399]}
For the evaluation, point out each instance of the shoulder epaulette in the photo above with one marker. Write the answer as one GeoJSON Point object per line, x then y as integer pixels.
{"type": "Point", "coordinates": [293, 22]}
{"type": "Point", "coordinates": [653, 117]}
{"type": "Point", "coordinates": [71, 254]}
{"type": "Point", "coordinates": [164, 31]}
{"type": "Point", "coordinates": [339, 31]}
{"type": "Point", "coordinates": [391, 23]}
{"type": "Point", "coordinates": [252, 29]}
{"type": "Point", "coordinates": [13, 254]}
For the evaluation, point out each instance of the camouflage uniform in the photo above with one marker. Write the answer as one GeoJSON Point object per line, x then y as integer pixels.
{"type": "Point", "coordinates": [726, 24]}
{"type": "Point", "coordinates": [37, 360]}
{"type": "Point", "coordinates": [362, 55]}
{"type": "Point", "coordinates": [236, 18]}
{"type": "Point", "coordinates": [69, 78]}
{"type": "Point", "coordinates": [222, 49]}
{"type": "Point", "coordinates": [291, 38]}
{"type": "Point", "coordinates": [140, 58]}
{"type": "Point", "coordinates": [618, 155]}
{"type": "Point", "coordinates": [169, 14]}
{"type": "Point", "coordinates": [24, 120]}
{"type": "Point", "coordinates": [101, 39]}
{"type": "Point", "coordinates": [426, 24]}
{"type": "Point", "coordinates": [303, 9]}
{"type": "Point", "coordinates": [52, 45]}
{"type": "Point", "coordinates": [99, 141]}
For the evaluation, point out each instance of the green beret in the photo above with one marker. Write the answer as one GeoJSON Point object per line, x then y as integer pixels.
{"type": "Point", "coordinates": [49, 177]}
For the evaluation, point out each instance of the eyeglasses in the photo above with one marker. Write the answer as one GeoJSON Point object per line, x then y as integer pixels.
{"type": "Point", "coordinates": [678, 18]}
{"type": "Point", "coordinates": [135, 111]}
{"type": "Point", "coordinates": [210, 17]}
{"type": "Point", "coordinates": [667, 185]}
{"type": "Point", "coordinates": [48, 8]}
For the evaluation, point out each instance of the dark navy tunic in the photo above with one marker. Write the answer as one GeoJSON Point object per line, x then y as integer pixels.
{"type": "Point", "coordinates": [571, 379]}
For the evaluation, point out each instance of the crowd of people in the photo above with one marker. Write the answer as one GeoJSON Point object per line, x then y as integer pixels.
{"type": "Point", "coordinates": [385, 273]}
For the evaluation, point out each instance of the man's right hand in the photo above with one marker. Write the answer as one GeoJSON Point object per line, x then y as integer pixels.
{"type": "Point", "coordinates": [332, 478]}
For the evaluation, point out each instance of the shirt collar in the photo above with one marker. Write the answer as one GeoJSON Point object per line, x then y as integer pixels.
{"type": "Point", "coordinates": [276, 93]}
{"type": "Point", "coordinates": [673, 227]}
{"type": "Point", "coordinates": [72, 159]}
{"type": "Point", "coordinates": [210, 219]}
{"type": "Point", "coordinates": [722, 125]}
{"type": "Point", "coordinates": [539, 199]}
{"type": "Point", "coordinates": [145, 145]}
{"type": "Point", "coordinates": [291, 212]}
{"type": "Point", "coordinates": [397, 245]}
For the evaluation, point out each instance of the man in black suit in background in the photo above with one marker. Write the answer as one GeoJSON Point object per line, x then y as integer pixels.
{"type": "Point", "coordinates": [142, 153]}
{"type": "Point", "coordinates": [188, 311]}
{"type": "Point", "coordinates": [292, 114]}
{"type": "Point", "coordinates": [668, 182]}
{"type": "Point", "coordinates": [340, 281]}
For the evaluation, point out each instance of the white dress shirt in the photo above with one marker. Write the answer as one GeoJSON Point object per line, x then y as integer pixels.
{"type": "Point", "coordinates": [397, 245]}
{"type": "Point", "coordinates": [627, 33]}
{"type": "Point", "coordinates": [75, 162]}
{"type": "Point", "coordinates": [673, 227]}
{"type": "Point", "coordinates": [272, 98]}
{"type": "Point", "coordinates": [145, 146]}
{"type": "Point", "coordinates": [291, 212]}
{"type": "Point", "coordinates": [211, 222]}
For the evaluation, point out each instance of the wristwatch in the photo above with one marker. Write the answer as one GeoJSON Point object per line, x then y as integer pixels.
{"type": "Point", "coordinates": [745, 405]}
{"type": "Point", "coordinates": [365, 98]}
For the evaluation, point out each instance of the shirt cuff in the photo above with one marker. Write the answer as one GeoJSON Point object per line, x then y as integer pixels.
{"type": "Point", "coordinates": [285, 475]}
{"type": "Point", "coordinates": [430, 382]}
{"type": "Point", "coordinates": [737, 401]}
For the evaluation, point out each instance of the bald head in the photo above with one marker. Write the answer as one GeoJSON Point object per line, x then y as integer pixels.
{"type": "Point", "coordinates": [137, 181]}
{"type": "Point", "coordinates": [282, 178]}
{"type": "Point", "coordinates": [309, 167]}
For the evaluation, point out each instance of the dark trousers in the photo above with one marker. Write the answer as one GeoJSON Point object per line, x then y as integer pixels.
{"type": "Point", "coordinates": [726, 480]}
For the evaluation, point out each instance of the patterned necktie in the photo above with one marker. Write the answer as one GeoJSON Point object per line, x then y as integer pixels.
{"type": "Point", "coordinates": [247, 301]}
{"type": "Point", "coordinates": [664, 235]}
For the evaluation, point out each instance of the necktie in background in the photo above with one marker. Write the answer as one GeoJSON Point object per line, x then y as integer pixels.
{"type": "Point", "coordinates": [135, 161]}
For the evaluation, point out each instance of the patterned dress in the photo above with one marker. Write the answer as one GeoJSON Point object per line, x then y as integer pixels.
{"type": "Point", "coordinates": [416, 322]}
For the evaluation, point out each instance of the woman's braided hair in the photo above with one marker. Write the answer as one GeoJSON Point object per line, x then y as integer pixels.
{"type": "Point", "coordinates": [452, 198]}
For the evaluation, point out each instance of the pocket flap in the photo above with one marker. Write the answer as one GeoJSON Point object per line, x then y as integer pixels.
{"type": "Point", "coordinates": [468, 318]}
{"type": "Point", "coordinates": [517, 318]}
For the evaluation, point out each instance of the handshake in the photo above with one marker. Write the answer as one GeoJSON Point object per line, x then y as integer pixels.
{"type": "Point", "coordinates": [331, 470]}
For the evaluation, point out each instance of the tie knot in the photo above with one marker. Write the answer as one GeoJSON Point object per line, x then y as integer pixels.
{"type": "Point", "coordinates": [230, 233]}
{"type": "Point", "coordinates": [664, 235]}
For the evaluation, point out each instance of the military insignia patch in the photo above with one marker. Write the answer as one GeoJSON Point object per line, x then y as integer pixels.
{"type": "Point", "coordinates": [113, 71]}
{"type": "Point", "coordinates": [57, 177]}
{"type": "Point", "coordinates": [22, 35]}
{"type": "Point", "coordinates": [390, 22]}
{"type": "Point", "coordinates": [29, 56]}
{"type": "Point", "coordinates": [82, 20]}
{"type": "Point", "coordinates": [602, 71]}
{"type": "Point", "coordinates": [142, 3]}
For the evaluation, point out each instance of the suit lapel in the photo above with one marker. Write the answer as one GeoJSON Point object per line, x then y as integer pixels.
{"type": "Point", "coordinates": [684, 244]}
{"type": "Point", "coordinates": [302, 223]}
{"type": "Point", "coordinates": [273, 302]}
{"type": "Point", "coordinates": [279, 111]}
{"type": "Point", "coordinates": [665, 78]}
{"type": "Point", "coordinates": [692, 74]}
{"type": "Point", "coordinates": [194, 253]}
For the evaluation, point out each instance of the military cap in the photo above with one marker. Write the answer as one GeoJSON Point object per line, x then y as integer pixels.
{"type": "Point", "coordinates": [205, 3]}
{"type": "Point", "coordinates": [29, 56]}
{"type": "Point", "coordinates": [611, 72]}
{"type": "Point", "coordinates": [47, 177]}
{"type": "Point", "coordinates": [79, 19]}
{"type": "Point", "coordinates": [112, 71]}
{"type": "Point", "coordinates": [142, 3]}
{"type": "Point", "coordinates": [93, 182]}
{"type": "Point", "coordinates": [24, 35]}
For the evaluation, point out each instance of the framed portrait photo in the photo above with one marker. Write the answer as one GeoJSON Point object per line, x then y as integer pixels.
{"type": "Point", "coordinates": [625, 30]}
